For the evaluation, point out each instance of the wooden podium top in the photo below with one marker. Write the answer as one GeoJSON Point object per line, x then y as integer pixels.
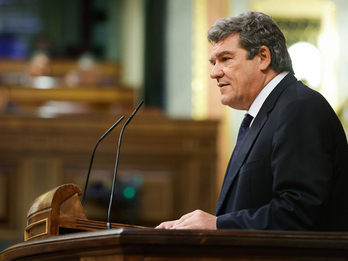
{"type": "Point", "coordinates": [155, 245]}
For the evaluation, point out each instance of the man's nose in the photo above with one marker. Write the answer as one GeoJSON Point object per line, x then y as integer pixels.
{"type": "Point", "coordinates": [216, 72]}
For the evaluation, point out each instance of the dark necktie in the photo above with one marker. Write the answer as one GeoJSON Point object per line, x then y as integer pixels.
{"type": "Point", "coordinates": [243, 130]}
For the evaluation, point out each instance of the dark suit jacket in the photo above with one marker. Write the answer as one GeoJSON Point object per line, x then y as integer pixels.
{"type": "Point", "coordinates": [291, 171]}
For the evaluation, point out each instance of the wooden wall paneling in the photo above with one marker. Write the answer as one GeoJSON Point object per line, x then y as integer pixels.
{"type": "Point", "coordinates": [157, 197]}
{"type": "Point", "coordinates": [10, 198]}
{"type": "Point", "coordinates": [176, 159]}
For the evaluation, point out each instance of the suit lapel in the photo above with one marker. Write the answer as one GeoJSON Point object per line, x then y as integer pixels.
{"type": "Point", "coordinates": [251, 136]}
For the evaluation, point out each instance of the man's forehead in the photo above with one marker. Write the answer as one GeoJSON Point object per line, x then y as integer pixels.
{"type": "Point", "coordinates": [225, 45]}
{"type": "Point", "coordinates": [235, 36]}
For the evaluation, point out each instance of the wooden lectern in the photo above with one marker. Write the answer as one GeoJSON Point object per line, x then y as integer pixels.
{"type": "Point", "coordinates": [59, 211]}
{"type": "Point", "coordinates": [183, 245]}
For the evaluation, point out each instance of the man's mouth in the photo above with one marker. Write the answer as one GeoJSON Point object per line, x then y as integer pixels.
{"type": "Point", "coordinates": [222, 84]}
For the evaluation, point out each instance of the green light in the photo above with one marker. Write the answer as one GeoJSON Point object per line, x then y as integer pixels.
{"type": "Point", "coordinates": [129, 192]}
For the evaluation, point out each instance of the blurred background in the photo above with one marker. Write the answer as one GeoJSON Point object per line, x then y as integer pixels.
{"type": "Point", "coordinates": [69, 69]}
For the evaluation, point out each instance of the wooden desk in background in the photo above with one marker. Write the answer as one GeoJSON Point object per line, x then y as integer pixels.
{"type": "Point", "coordinates": [100, 94]}
{"type": "Point", "coordinates": [95, 97]}
{"type": "Point", "coordinates": [88, 94]}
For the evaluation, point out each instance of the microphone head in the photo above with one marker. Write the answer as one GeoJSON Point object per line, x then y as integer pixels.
{"type": "Point", "coordinates": [134, 112]}
{"type": "Point", "coordinates": [141, 103]}
{"type": "Point", "coordinates": [137, 108]}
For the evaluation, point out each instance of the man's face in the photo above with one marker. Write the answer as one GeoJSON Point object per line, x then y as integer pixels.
{"type": "Point", "coordinates": [239, 79]}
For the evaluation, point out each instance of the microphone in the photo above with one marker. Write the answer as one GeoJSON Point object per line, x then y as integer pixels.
{"type": "Point", "coordinates": [91, 162]}
{"type": "Point", "coordinates": [108, 225]}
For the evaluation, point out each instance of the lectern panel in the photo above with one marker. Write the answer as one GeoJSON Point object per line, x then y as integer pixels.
{"type": "Point", "coordinates": [184, 245]}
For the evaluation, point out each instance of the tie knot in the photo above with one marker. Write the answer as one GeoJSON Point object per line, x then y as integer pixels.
{"type": "Point", "coordinates": [246, 121]}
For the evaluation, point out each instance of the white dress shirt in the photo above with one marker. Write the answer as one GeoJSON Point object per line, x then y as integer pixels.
{"type": "Point", "coordinates": [260, 99]}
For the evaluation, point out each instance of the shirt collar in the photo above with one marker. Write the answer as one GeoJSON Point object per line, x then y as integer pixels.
{"type": "Point", "coordinates": [262, 96]}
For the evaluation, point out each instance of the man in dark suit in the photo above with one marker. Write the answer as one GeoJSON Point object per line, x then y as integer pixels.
{"type": "Point", "coordinates": [289, 169]}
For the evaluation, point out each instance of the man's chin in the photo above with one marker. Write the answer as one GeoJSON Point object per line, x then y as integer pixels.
{"type": "Point", "coordinates": [225, 102]}
{"type": "Point", "coordinates": [232, 105]}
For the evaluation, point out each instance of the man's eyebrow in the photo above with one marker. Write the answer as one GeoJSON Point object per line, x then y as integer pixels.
{"type": "Point", "coordinates": [218, 55]}
{"type": "Point", "coordinates": [223, 53]}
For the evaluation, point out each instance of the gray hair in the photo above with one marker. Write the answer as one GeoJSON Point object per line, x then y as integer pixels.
{"type": "Point", "coordinates": [255, 29]}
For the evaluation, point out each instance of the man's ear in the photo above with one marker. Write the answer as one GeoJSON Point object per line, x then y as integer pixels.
{"type": "Point", "coordinates": [265, 57]}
